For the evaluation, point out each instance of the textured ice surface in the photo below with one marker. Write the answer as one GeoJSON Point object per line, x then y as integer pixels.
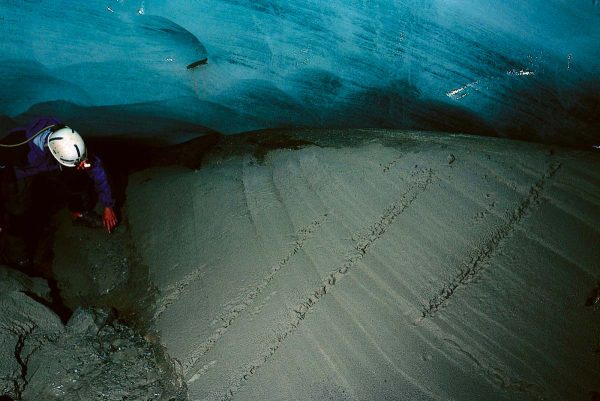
{"type": "Point", "coordinates": [514, 68]}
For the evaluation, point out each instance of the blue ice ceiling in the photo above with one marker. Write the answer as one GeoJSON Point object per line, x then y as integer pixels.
{"type": "Point", "coordinates": [520, 69]}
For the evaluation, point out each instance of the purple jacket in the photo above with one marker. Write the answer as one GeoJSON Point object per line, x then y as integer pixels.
{"type": "Point", "coordinates": [40, 160]}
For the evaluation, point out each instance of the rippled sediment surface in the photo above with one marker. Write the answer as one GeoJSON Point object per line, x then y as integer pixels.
{"type": "Point", "coordinates": [376, 265]}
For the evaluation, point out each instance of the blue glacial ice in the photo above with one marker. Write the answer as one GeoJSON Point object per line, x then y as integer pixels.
{"type": "Point", "coordinates": [520, 69]}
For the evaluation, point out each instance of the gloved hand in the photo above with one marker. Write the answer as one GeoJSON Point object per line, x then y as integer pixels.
{"type": "Point", "coordinates": [109, 219]}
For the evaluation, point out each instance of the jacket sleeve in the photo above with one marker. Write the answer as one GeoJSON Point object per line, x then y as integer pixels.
{"type": "Point", "coordinates": [101, 184]}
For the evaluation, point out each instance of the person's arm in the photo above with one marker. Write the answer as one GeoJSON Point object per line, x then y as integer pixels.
{"type": "Point", "coordinates": [98, 174]}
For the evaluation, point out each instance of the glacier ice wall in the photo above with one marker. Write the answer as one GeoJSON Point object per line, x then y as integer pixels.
{"type": "Point", "coordinates": [521, 69]}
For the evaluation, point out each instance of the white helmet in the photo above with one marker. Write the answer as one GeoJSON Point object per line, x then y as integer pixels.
{"type": "Point", "coordinates": [67, 146]}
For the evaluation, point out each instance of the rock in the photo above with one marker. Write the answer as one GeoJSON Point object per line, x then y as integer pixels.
{"type": "Point", "coordinates": [93, 358]}
{"type": "Point", "coordinates": [14, 280]}
{"type": "Point", "coordinates": [451, 158]}
{"type": "Point", "coordinates": [25, 325]}
{"type": "Point", "coordinates": [113, 364]}
{"type": "Point", "coordinates": [88, 322]}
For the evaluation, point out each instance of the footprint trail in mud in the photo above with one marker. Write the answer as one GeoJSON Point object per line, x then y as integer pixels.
{"type": "Point", "coordinates": [173, 292]}
{"type": "Point", "coordinates": [473, 266]}
{"type": "Point", "coordinates": [232, 313]}
{"type": "Point", "coordinates": [420, 182]}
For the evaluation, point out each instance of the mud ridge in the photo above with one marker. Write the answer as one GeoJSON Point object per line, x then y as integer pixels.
{"type": "Point", "coordinates": [389, 165]}
{"type": "Point", "coordinates": [476, 263]}
{"type": "Point", "coordinates": [228, 317]}
{"type": "Point", "coordinates": [174, 291]}
{"type": "Point", "coordinates": [421, 180]}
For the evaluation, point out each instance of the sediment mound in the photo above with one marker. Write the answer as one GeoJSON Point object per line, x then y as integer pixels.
{"type": "Point", "coordinates": [357, 265]}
